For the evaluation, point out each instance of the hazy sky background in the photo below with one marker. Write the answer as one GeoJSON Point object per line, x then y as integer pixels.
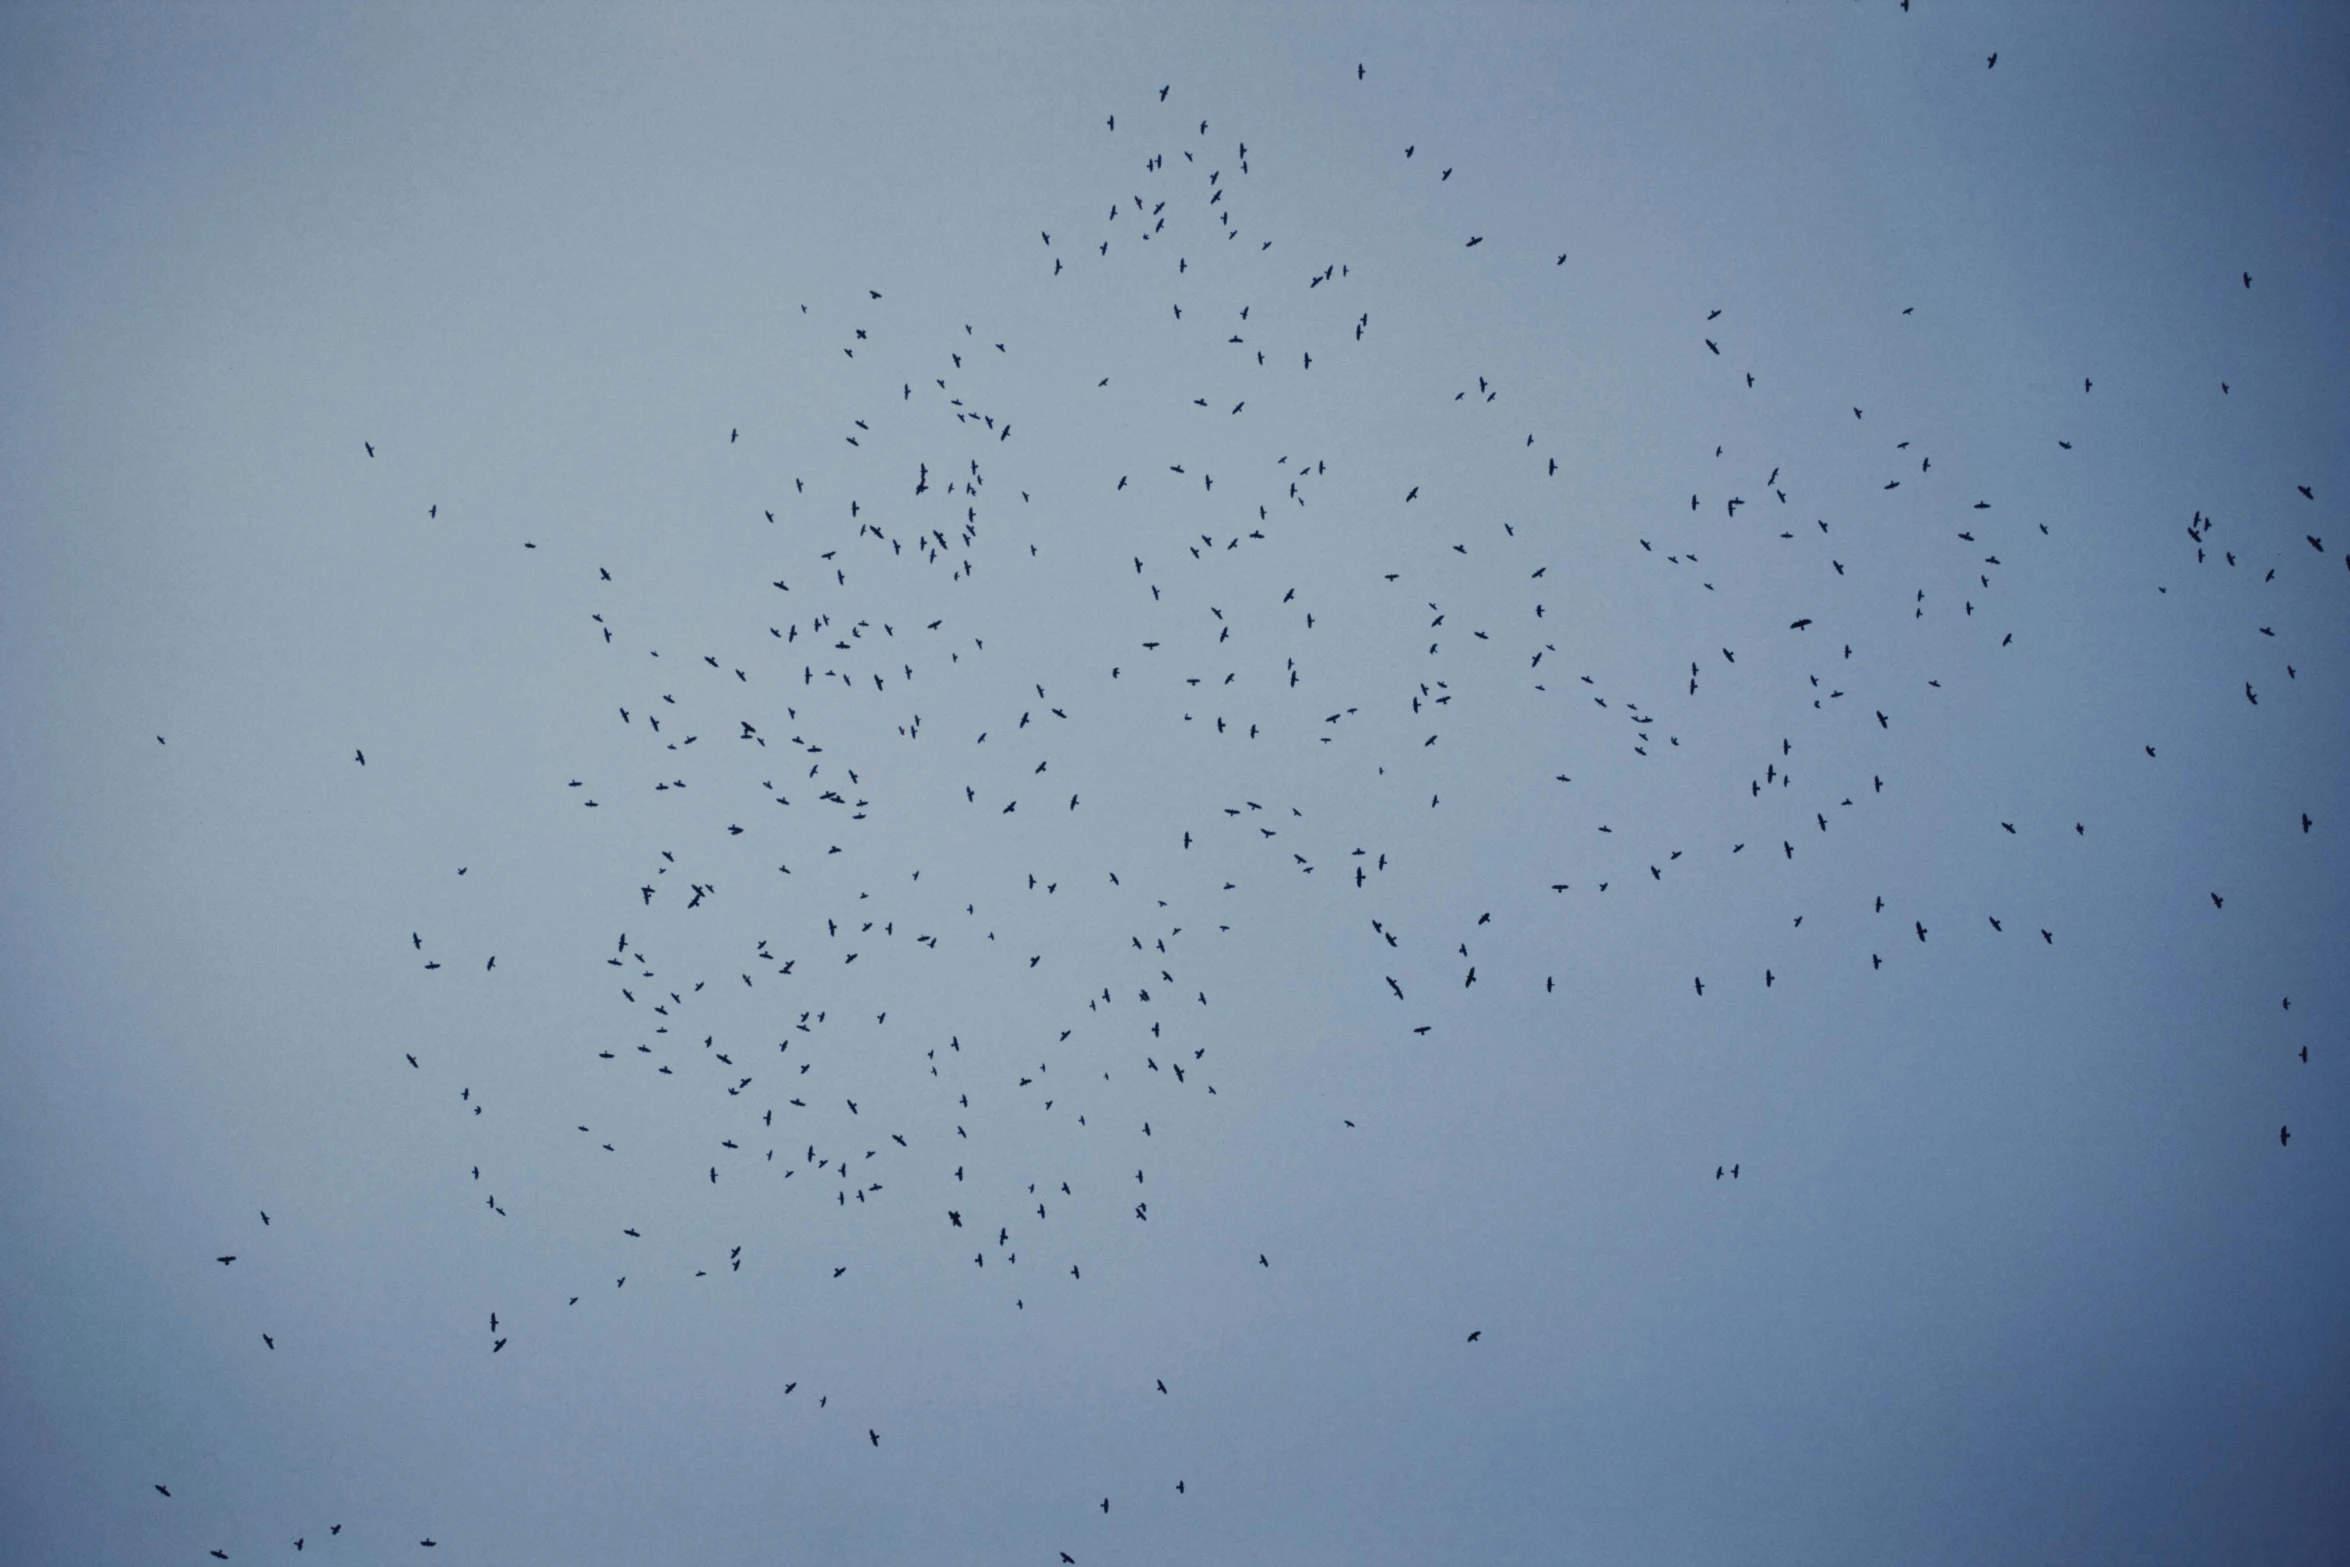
{"type": "Point", "coordinates": [2015, 1266]}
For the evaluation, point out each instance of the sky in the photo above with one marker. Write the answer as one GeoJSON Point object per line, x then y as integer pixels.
{"type": "Point", "coordinates": [1309, 784]}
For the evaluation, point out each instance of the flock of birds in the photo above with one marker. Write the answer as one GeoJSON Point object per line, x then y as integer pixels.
{"type": "Point", "coordinates": [783, 913]}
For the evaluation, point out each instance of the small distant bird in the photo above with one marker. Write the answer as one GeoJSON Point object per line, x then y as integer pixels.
{"type": "Point", "coordinates": [361, 757]}
{"type": "Point", "coordinates": [1474, 1337]}
{"type": "Point", "coordinates": [1993, 61]}
{"type": "Point", "coordinates": [874, 1435]}
{"type": "Point", "coordinates": [165, 1489]}
{"type": "Point", "coordinates": [2284, 1139]}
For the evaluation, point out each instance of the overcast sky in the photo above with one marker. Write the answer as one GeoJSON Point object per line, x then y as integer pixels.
{"type": "Point", "coordinates": [1474, 784]}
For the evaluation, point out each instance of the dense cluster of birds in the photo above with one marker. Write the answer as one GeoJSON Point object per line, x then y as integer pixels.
{"type": "Point", "coordinates": [787, 900]}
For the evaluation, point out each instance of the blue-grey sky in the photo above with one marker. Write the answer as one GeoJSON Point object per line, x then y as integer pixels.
{"type": "Point", "coordinates": [1788, 563]}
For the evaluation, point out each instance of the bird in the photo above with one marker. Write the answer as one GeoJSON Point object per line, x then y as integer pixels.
{"type": "Point", "coordinates": [1475, 1336]}
{"type": "Point", "coordinates": [1994, 60]}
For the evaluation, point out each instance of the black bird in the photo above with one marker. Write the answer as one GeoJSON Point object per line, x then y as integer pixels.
{"type": "Point", "coordinates": [165, 1489]}
{"type": "Point", "coordinates": [1474, 1337]}
{"type": "Point", "coordinates": [2284, 1136]}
